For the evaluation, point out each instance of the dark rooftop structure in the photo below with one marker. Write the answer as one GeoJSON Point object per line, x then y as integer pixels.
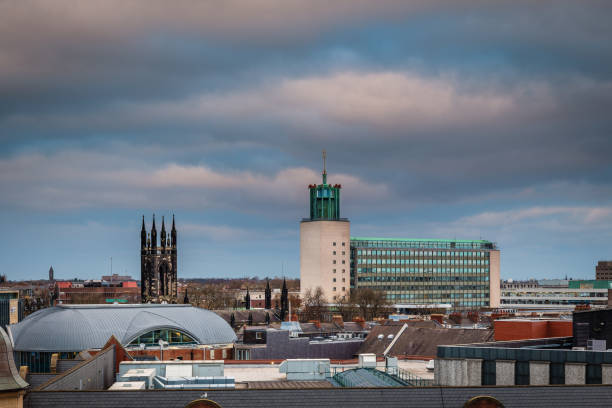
{"type": "Point", "coordinates": [418, 338]}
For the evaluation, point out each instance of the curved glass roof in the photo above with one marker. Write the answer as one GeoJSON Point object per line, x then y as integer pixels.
{"type": "Point", "coordinates": [81, 327]}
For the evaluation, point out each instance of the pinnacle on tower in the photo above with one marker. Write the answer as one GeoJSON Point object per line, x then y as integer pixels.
{"type": "Point", "coordinates": [324, 169]}
{"type": "Point", "coordinates": [153, 234]}
{"type": "Point", "coordinates": [163, 234]}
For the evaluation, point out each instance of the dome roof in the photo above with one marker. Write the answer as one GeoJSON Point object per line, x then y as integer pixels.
{"type": "Point", "coordinates": [82, 327]}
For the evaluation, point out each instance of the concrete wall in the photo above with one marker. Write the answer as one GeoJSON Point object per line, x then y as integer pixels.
{"type": "Point", "coordinates": [97, 373]}
{"type": "Point", "coordinates": [539, 372]}
{"type": "Point", "coordinates": [317, 259]}
{"type": "Point", "coordinates": [494, 287]}
{"type": "Point", "coordinates": [606, 373]}
{"type": "Point", "coordinates": [504, 372]}
{"type": "Point", "coordinates": [575, 373]}
{"type": "Point", "coordinates": [458, 372]}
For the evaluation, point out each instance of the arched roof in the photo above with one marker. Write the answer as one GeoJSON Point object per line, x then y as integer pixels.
{"type": "Point", "coordinates": [81, 327]}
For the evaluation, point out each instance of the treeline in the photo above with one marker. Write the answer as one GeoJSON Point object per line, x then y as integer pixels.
{"type": "Point", "coordinates": [253, 283]}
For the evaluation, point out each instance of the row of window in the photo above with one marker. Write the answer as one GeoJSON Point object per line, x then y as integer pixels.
{"type": "Point", "coordinates": [343, 244]}
{"type": "Point", "coordinates": [343, 280]}
{"type": "Point", "coordinates": [454, 254]}
{"type": "Point", "coordinates": [452, 271]}
{"type": "Point", "coordinates": [334, 252]}
{"type": "Point", "coordinates": [334, 262]}
{"type": "Point", "coordinates": [423, 244]}
{"type": "Point", "coordinates": [343, 289]}
{"type": "Point", "coordinates": [378, 261]}
{"type": "Point", "coordinates": [343, 271]}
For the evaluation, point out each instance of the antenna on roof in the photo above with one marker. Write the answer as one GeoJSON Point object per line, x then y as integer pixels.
{"type": "Point", "coordinates": [324, 167]}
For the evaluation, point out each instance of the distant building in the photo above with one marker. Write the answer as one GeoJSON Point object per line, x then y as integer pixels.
{"type": "Point", "coordinates": [325, 243]}
{"type": "Point", "coordinates": [70, 329]}
{"type": "Point", "coordinates": [51, 273]}
{"type": "Point", "coordinates": [457, 274]}
{"type": "Point", "coordinates": [554, 294]}
{"type": "Point", "coordinates": [158, 265]}
{"type": "Point", "coordinates": [603, 270]}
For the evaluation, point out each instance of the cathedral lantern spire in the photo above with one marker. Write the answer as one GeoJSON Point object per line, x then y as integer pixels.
{"type": "Point", "coordinates": [153, 235]}
{"type": "Point", "coordinates": [158, 265]}
{"type": "Point", "coordinates": [163, 234]}
{"type": "Point", "coordinates": [173, 233]}
{"type": "Point", "coordinates": [143, 235]}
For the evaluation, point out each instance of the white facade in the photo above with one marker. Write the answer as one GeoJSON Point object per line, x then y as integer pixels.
{"type": "Point", "coordinates": [325, 257]}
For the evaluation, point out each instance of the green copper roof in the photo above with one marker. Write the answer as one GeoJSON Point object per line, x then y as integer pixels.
{"type": "Point", "coordinates": [480, 241]}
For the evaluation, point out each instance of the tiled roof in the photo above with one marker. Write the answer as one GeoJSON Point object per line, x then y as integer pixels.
{"type": "Point", "coordinates": [561, 396]}
{"type": "Point", "coordinates": [419, 341]}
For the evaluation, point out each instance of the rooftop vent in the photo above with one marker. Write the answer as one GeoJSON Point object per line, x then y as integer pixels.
{"type": "Point", "coordinates": [390, 336]}
{"type": "Point", "coordinates": [381, 336]}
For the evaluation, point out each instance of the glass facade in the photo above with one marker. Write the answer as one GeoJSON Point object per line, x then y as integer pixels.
{"type": "Point", "coordinates": [152, 338]}
{"type": "Point", "coordinates": [422, 272]}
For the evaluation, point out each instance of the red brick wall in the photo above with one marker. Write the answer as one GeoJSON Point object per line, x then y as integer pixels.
{"type": "Point", "coordinates": [561, 328]}
{"type": "Point", "coordinates": [186, 354]}
{"type": "Point", "coordinates": [530, 329]}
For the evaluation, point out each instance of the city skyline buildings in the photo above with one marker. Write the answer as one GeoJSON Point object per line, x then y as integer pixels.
{"type": "Point", "coordinates": [440, 124]}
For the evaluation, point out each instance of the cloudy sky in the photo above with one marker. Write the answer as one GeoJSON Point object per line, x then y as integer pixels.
{"type": "Point", "coordinates": [441, 119]}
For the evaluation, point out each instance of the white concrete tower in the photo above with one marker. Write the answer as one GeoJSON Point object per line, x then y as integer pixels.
{"type": "Point", "coordinates": [325, 243]}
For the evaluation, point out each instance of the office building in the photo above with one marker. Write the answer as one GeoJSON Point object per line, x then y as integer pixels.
{"type": "Point", "coordinates": [554, 294]}
{"type": "Point", "coordinates": [459, 273]}
{"type": "Point", "coordinates": [603, 270]}
{"type": "Point", "coordinates": [424, 273]}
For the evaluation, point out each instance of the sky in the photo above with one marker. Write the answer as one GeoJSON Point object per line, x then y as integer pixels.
{"type": "Point", "coordinates": [441, 119]}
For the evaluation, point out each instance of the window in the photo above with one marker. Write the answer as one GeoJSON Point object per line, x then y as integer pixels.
{"type": "Point", "coordinates": [334, 261]}
{"type": "Point", "coordinates": [343, 252]}
{"type": "Point", "coordinates": [343, 244]}
{"type": "Point", "coordinates": [343, 288]}
{"type": "Point", "coordinates": [334, 288]}
{"type": "Point", "coordinates": [343, 261]}
{"type": "Point", "coordinates": [334, 279]}
{"type": "Point", "coordinates": [335, 271]}
{"type": "Point", "coordinates": [343, 280]}
{"type": "Point", "coordinates": [334, 253]}
{"type": "Point", "coordinates": [259, 335]}
{"type": "Point", "coordinates": [344, 270]}
{"type": "Point", "coordinates": [334, 244]}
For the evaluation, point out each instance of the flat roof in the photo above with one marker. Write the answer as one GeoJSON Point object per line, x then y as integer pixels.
{"type": "Point", "coordinates": [420, 240]}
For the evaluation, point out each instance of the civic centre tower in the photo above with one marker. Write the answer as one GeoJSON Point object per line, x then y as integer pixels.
{"type": "Point", "coordinates": [413, 273]}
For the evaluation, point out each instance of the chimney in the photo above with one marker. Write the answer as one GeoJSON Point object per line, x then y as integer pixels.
{"type": "Point", "coordinates": [317, 323]}
{"type": "Point", "coordinates": [337, 320]}
{"type": "Point", "coordinates": [360, 321]}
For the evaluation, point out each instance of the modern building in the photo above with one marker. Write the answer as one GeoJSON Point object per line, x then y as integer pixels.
{"type": "Point", "coordinates": [158, 267]}
{"type": "Point", "coordinates": [70, 329]}
{"type": "Point", "coordinates": [464, 274]}
{"type": "Point", "coordinates": [603, 270]}
{"type": "Point", "coordinates": [325, 243]}
{"type": "Point", "coordinates": [459, 274]}
{"type": "Point", "coordinates": [557, 294]}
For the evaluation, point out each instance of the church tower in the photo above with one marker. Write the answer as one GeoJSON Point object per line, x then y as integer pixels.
{"type": "Point", "coordinates": [158, 265]}
{"type": "Point", "coordinates": [325, 243]}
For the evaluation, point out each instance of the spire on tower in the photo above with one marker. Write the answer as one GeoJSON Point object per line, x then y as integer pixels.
{"type": "Point", "coordinates": [143, 235]}
{"type": "Point", "coordinates": [163, 234]}
{"type": "Point", "coordinates": [324, 167]}
{"type": "Point", "coordinates": [153, 235]}
{"type": "Point", "coordinates": [173, 233]}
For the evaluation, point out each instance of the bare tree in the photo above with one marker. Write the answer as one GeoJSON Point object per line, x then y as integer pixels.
{"type": "Point", "coordinates": [314, 303]}
{"type": "Point", "coordinates": [371, 303]}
